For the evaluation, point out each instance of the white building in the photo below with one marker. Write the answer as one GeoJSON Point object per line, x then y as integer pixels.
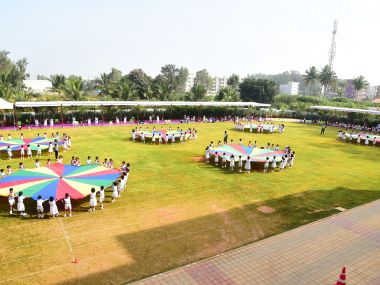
{"type": "Point", "coordinates": [190, 82]}
{"type": "Point", "coordinates": [37, 85]}
{"type": "Point", "coordinates": [291, 88]}
{"type": "Point", "coordinates": [218, 82]}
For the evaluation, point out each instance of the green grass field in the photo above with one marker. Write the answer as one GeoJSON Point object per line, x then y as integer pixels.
{"type": "Point", "coordinates": [177, 209]}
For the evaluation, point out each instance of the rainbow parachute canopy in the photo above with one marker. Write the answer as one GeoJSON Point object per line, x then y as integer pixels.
{"type": "Point", "coordinates": [255, 154]}
{"type": "Point", "coordinates": [58, 179]}
{"type": "Point", "coordinates": [16, 144]}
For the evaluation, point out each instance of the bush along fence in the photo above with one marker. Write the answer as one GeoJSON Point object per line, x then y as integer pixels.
{"type": "Point", "coordinates": [106, 114]}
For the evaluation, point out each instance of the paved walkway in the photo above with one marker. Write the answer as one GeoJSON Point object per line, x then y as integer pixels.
{"type": "Point", "coordinates": [312, 254]}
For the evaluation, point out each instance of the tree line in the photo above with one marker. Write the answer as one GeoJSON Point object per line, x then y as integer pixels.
{"type": "Point", "coordinates": [170, 85]}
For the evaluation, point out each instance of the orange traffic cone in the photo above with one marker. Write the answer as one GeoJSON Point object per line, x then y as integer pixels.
{"type": "Point", "coordinates": [342, 277]}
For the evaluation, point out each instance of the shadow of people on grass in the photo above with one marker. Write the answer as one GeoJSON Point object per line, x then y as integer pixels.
{"type": "Point", "coordinates": [168, 246]}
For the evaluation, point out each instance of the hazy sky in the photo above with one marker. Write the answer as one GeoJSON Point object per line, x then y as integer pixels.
{"type": "Point", "coordinates": [224, 36]}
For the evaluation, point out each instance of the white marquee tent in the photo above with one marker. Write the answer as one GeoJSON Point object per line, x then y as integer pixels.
{"type": "Point", "coordinates": [4, 105]}
{"type": "Point", "coordinates": [348, 110]}
{"type": "Point", "coordinates": [29, 104]}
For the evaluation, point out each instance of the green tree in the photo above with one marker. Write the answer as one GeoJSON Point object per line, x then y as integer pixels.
{"type": "Point", "coordinates": [183, 74]}
{"type": "Point", "coordinates": [57, 82]}
{"type": "Point", "coordinates": [202, 78]}
{"type": "Point", "coordinates": [197, 93]}
{"type": "Point", "coordinates": [228, 94]}
{"type": "Point", "coordinates": [141, 82]}
{"type": "Point", "coordinates": [233, 81]}
{"type": "Point", "coordinates": [327, 78]}
{"type": "Point", "coordinates": [104, 84]}
{"type": "Point", "coordinates": [359, 84]}
{"type": "Point", "coordinates": [73, 88]}
{"type": "Point", "coordinates": [125, 90]}
{"type": "Point", "coordinates": [257, 90]}
{"type": "Point", "coordinates": [311, 78]}
{"type": "Point", "coordinates": [7, 90]}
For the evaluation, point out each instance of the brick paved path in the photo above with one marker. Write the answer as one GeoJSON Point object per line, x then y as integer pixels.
{"type": "Point", "coordinates": [312, 254]}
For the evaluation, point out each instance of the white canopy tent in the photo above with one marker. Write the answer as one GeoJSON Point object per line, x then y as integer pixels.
{"type": "Point", "coordinates": [348, 110]}
{"type": "Point", "coordinates": [136, 103]}
{"type": "Point", "coordinates": [4, 105]}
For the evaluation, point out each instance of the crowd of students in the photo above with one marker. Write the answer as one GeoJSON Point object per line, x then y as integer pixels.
{"type": "Point", "coordinates": [358, 138]}
{"type": "Point", "coordinates": [53, 147]}
{"type": "Point", "coordinates": [287, 160]}
{"type": "Point", "coordinates": [260, 128]}
{"type": "Point", "coordinates": [96, 196]}
{"type": "Point", "coordinates": [164, 138]}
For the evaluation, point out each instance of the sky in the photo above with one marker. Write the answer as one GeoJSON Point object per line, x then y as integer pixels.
{"type": "Point", "coordinates": [88, 37]}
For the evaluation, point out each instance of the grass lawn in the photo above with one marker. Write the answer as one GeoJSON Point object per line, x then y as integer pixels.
{"type": "Point", "coordinates": [177, 210]}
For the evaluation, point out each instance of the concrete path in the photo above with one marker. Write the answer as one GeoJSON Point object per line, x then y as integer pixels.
{"type": "Point", "coordinates": [311, 254]}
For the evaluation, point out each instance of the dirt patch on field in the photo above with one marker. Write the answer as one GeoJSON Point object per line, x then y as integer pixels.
{"type": "Point", "coordinates": [265, 209]}
{"type": "Point", "coordinates": [168, 214]}
{"type": "Point", "coordinates": [198, 158]}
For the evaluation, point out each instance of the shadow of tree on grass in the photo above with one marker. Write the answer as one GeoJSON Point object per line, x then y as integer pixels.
{"type": "Point", "coordinates": [162, 248]}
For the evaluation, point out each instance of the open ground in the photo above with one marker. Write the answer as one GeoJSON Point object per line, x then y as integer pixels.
{"type": "Point", "coordinates": [177, 209]}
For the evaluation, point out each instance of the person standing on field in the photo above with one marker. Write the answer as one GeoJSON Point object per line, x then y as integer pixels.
{"type": "Point", "coordinates": [225, 139]}
{"type": "Point", "coordinates": [323, 129]}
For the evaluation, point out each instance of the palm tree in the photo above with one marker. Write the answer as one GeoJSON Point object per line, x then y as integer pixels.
{"type": "Point", "coordinates": [197, 93]}
{"type": "Point", "coordinates": [73, 87]}
{"type": "Point", "coordinates": [57, 82]}
{"type": "Point", "coordinates": [7, 90]}
{"type": "Point", "coordinates": [327, 78]}
{"type": "Point", "coordinates": [311, 77]}
{"type": "Point", "coordinates": [126, 91]}
{"type": "Point", "coordinates": [104, 84]}
{"type": "Point", "coordinates": [163, 91]}
{"type": "Point", "coordinates": [228, 94]}
{"type": "Point", "coordinates": [359, 84]}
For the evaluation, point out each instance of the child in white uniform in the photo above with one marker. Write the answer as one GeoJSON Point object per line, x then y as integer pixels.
{"type": "Point", "coordinates": [266, 165]}
{"type": "Point", "coordinates": [153, 139]}
{"type": "Point", "coordinates": [20, 204]}
{"type": "Point", "coordinates": [216, 159]}
{"type": "Point", "coordinates": [50, 149]}
{"type": "Point", "coordinates": [22, 152]}
{"type": "Point", "coordinates": [67, 202]}
{"type": "Point", "coordinates": [173, 138]}
{"type": "Point", "coordinates": [115, 194]}
{"type": "Point", "coordinates": [119, 188]}
{"type": "Point", "coordinates": [247, 165]}
{"type": "Point", "coordinates": [88, 162]}
{"type": "Point", "coordinates": [366, 141]}
{"type": "Point", "coordinates": [232, 163]}
{"type": "Point", "coordinates": [53, 207]}
{"type": "Point", "coordinates": [207, 155]}
{"type": "Point", "coordinates": [93, 201]}
{"type": "Point", "coordinates": [240, 163]}
{"type": "Point", "coordinates": [101, 197]}
{"type": "Point", "coordinates": [159, 139]}
{"type": "Point", "coordinates": [11, 200]}
{"type": "Point", "coordinates": [224, 160]}
{"type": "Point", "coordinates": [274, 164]}
{"type": "Point", "coordinates": [40, 207]}
{"type": "Point", "coordinates": [38, 150]}
{"type": "Point", "coordinates": [9, 151]}
{"type": "Point", "coordinates": [38, 164]}
{"type": "Point", "coordinates": [28, 151]}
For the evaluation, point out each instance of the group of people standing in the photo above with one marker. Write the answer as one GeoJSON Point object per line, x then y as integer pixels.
{"type": "Point", "coordinates": [117, 188]}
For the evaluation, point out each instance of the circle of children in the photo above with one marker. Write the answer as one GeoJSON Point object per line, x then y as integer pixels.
{"type": "Point", "coordinates": [164, 138]}
{"type": "Point", "coordinates": [118, 186]}
{"type": "Point", "coordinates": [270, 163]}
{"type": "Point", "coordinates": [260, 128]}
{"type": "Point", "coordinates": [359, 138]}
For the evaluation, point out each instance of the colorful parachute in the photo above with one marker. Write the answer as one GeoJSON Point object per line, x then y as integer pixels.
{"type": "Point", "coordinates": [16, 144]}
{"type": "Point", "coordinates": [149, 134]}
{"type": "Point", "coordinates": [255, 154]}
{"type": "Point", "coordinates": [57, 179]}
